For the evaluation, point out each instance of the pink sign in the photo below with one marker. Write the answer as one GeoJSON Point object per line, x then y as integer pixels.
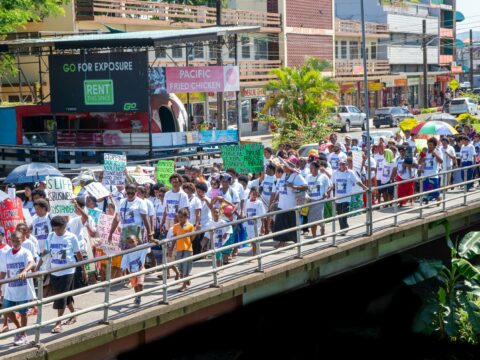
{"type": "Point", "coordinates": [189, 79]}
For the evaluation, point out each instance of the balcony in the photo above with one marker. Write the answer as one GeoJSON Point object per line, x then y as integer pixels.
{"type": "Point", "coordinates": [446, 59]}
{"type": "Point", "coordinates": [355, 67]}
{"type": "Point", "coordinates": [351, 27]}
{"type": "Point", "coordinates": [446, 33]}
{"type": "Point", "coordinates": [135, 12]}
{"type": "Point", "coordinates": [252, 72]}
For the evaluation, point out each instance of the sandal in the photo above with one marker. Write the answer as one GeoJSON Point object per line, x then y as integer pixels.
{"type": "Point", "coordinates": [182, 289]}
{"type": "Point", "coordinates": [70, 321]}
{"type": "Point", "coordinates": [57, 329]}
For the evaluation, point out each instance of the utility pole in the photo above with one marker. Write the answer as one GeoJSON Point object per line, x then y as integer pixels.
{"type": "Point", "coordinates": [220, 117]}
{"type": "Point", "coordinates": [471, 58]}
{"type": "Point", "coordinates": [367, 112]}
{"type": "Point", "coordinates": [425, 64]}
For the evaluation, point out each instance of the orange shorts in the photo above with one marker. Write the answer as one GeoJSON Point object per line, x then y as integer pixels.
{"type": "Point", "coordinates": [137, 280]}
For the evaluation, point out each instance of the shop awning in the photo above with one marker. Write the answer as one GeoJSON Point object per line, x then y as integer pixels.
{"type": "Point", "coordinates": [459, 17]}
{"type": "Point", "coordinates": [459, 44]}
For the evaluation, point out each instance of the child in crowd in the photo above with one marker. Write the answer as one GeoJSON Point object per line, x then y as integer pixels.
{"type": "Point", "coordinates": [132, 263]}
{"type": "Point", "coordinates": [184, 245]}
{"type": "Point", "coordinates": [4, 247]}
{"type": "Point", "coordinates": [221, 237]}
{"type": "Point", "coordinates": [254, 207]}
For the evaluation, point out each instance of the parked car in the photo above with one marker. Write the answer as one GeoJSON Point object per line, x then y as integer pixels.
{"type": "Point", "coordinates": [376, 135]}
{"type": "Point", "coordinates": [463, 105]}
{"type": "Point", "coordinates": [391, 116]}
{"type": "Point", "coordinates": [305, 149]}
{"type": "Point", "coordinates": [350, 116]}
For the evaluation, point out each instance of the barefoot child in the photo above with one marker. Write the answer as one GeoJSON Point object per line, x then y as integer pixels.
{"type": "Point", "coordinates": [254, 207]}
{"type": "Point", "coordinates": [183, 245]}
{"type": "Point", "coordinates": [221, 237]}
{"type": "Point", "coordinates": [132, 263]}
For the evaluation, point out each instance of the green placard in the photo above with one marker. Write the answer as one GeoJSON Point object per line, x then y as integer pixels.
{"type": "Point", "coordinates": [163, 171]}
{"type": "Point", "coordinates": [98, 92]}
{"type": "Point", "coordinates": [244, 159]}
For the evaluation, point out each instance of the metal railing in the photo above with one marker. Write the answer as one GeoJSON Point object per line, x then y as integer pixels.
{"type": "Point", "coordinates": [298, 245]}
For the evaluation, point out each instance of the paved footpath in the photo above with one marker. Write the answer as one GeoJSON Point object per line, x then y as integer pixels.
{"type": "Point", "coordinates": [126, 307]}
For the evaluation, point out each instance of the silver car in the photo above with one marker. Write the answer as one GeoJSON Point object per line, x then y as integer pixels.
{"type": "Point", "coordinates": [350, 116]}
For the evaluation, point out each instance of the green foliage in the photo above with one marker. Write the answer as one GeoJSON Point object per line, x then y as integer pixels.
{"type": "Point", "coordinates": [471, 95]}
{"type": "Point", "coordinates": [452, 310]}
{"type": "Point", "coordinates": [428, 110]}
{"type": "Point", "coordinates": [468, 118]}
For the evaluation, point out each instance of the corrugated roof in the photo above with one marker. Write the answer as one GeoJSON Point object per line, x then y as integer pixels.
{"type": "Point", "coordinates": [127, 39]}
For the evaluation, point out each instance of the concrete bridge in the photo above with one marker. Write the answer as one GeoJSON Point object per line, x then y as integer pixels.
{"type": "Point", "coordinates": [241, 282]}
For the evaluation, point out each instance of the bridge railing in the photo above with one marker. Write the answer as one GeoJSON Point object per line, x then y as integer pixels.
{"type": "Point", "coordinates": [213, 271]}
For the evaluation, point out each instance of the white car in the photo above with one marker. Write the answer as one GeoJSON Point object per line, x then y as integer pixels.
{"type": "Point", "coordinates": [349, 116]}
{"type": "Point", "coordinates": [463, 105]}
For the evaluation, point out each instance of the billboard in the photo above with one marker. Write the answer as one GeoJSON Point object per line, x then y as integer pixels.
{"type": "Point", "coordinates": [191, 79]}
{"type": "Point", "coordinates": [114, 82]}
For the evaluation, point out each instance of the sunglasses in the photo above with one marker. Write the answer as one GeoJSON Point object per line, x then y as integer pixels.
{"type": "Point", "coordinates": [130, 192]}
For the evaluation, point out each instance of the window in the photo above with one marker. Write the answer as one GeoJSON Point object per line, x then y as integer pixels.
{"type": "Point", "coordinates": [231, 47]}
{"type": "Point", "coordinates": [212, 50]}
{"type": "Point", "coordinates": [261, 49]}
{"type": "Point", "coordinates": [245, 47]}
{"type": "Point", "coordinates": [198, 51]}
{"type": "Point", "coordinates": [160, 52]}
{"type": "Point", "coordinates": [353, 50]}
{"type": "Point", "coordinates": [177, 52]}
{"type": "Point", "coordinates": [343, 47]}
{"type": "Point", "coordinates": [373, 50]}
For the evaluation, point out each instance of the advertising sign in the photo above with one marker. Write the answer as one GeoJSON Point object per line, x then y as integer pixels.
{"type": "Point", "coordinates": [114, 82]}
{"type": "Point", "coordinates": [60, 195]}
{"type": "Point", "coordinates": [244, 159]}
{"type": "Point", "coordinates": [97, 190]}
{"type": "Point", "coordinates": [114, 169]}
{"type": "Point", "coordinates": [190, 79]}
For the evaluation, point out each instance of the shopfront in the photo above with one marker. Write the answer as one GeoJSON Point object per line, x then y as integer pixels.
{"type": "Point", "coordinates": [396, 92]}
{"type": "Point", "coordinates": [413, 83]}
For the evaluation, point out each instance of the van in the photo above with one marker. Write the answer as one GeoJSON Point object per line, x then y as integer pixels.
{"type": "Point", "coordinates": [463, 105]}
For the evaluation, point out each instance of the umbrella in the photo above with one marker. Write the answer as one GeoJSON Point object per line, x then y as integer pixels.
{"type": "Point", "coordinates": [408, 124]}
{"type": "Point", "coordinates": [446, 118]}
{"type": "Point", "coordinates": [30, 173]}
{"type": "Point", "coordinates": [434, 128]}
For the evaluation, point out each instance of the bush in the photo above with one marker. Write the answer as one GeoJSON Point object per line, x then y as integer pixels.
{"type": "Point", "coordinates": [468, 118]}
{"type": "Point", "coordinates": [428, 110]}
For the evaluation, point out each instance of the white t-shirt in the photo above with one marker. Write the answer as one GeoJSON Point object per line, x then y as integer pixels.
{"type": "Point", "coordinates": [447, 161]}
{"type": "Point", "coordinates": [218, 234]}
{"type": "Point", "coordinates": [159, 208]}
{"type": "Point", "coordinates": [239, 189]}
{"type": "Point", "coordinates": [173, 202]}
{"type": "Point", "coordinates": [373, 165]}
{"type": "Point", "coordinates": [131, 211]}
{"type": "Point", "coordinates": [317, 186]}
{"type": "Point", "coordinates": [343, 182]}
{"type": "Point", "coordinates": [62, 249]}
{"type": "Point", "coordinates": [134, 261]}
{"type": "Point", "coordinates": [286, 195]}
{"type": "Point", "coordinates": [150, 207]}
{"type": "Point", "coordinates": [334, 159]}
{"type": "Point", "coordinates": [430, 166]}
{"type": "Point", "coordinates": [268, 184]}
{"type": "Point", "coordinates": [41, 228]}
{"type": "Point", "coordinates": [379, 159]}
{"type": "Point", "coordinates": [467, 152]}
{"type": "Point", "coordinates": [31, 244]}
{"type": "Point", "coordinates": [254, 208]}
{"type": "Point", "coordinates": [206, 216]}
{"type": "Point", "coordinates": [387, 169]}
{"type": "Point", "coordinates": [12, 265]}
{"type": "Point", "coordinates": [77, 228]}
{"type": "Point", "coordinates": [412, 144]}
{"type": "Point", "coordinates": [403, 171]}
{"type": "Point", "coordinates": [304, 172]}
{"type": "Point", "coordinates": [193, 205]}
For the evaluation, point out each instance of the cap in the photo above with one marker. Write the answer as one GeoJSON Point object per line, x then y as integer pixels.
{"type": "Point", "coordinates": [226, 177]}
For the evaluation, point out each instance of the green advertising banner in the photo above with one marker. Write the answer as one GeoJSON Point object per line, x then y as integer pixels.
{"type": "Point", "coordinates": [244, 159]}
{"type": "Point", "coordinates": [163, 171]}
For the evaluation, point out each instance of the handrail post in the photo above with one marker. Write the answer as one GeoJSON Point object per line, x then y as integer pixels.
{"type": "Point", "coordinates": [258, 247]}
{"type": "Point", "coordinates": [465, 187]}
{"type": "Point", "coordinates": [165, 273]}
{"type": "Point", "coordinates": [38, 330]}
{"type": "Point", "coordinates": [421, 198]}
{"type": "Point", "coordinates": [299, 235]}
{"type": "Point", "coordinates": [395, 204]}
{"type": "Point", "coordinates": [108, 278]}
{"type": "Point", "coordinates": [369, 211]}
{"type": "Point", "coordinates": [334, 226]}
{"type": "Point", "coordinates": [444, 192]}
{"type": "Point", "coordinates": [214, 259]}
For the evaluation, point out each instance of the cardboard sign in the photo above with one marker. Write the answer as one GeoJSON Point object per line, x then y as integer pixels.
{"type": "Point", "coordinates": [357, 157]}
{"type": "Point", "coordinates": [142, 179]}
{"type": "Point", "coordinates": [60, 194]}
{"type": "Point", "coordinates": [103, 228]}
{"type": "Point", "coordinates": [11, 212]}
{"type": "Point", "coordinates": [97, 190]}
{"type": "Point", "coordinates": [244, 159]}
{"type": "Point", "coordinates": [114, 169]}
{"type": "Point", "coordinates": [163, 171]}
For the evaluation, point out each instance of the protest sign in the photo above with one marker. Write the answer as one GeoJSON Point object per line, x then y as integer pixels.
{"type": "Point", "coordinates": [163, 171]}
{"type": "Point", "coordinates": [114, 169]}
{"type": "Point", "coordinates": [103, 228]}
{"type": "Point", "coordinates": [60, 195]}
{"type": "Point", "coordinates": [95, 214]}
{"type": "Point", "coordinates": [244, 159]}
{"type": "Point", "coordinates": [11, 212]}
{"type": "Point", "coordinates": [357, 157]}
{"type": "Point", "coordinates": [97, 190]}
{"type": "Point", "coordinates": [141, 179]}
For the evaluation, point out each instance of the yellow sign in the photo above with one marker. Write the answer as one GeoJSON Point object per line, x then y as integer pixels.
{"type": "Point", "coordinates": [454, 84]}
{"type": "Point", "coordinates": [194, 97]}
{"type": "Point", "coordinates": [373, 86]}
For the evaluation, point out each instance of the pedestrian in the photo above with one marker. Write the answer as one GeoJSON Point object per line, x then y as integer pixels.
{"type": "Point", "coordinates": [430, 161]}
{"type": "Point", "coordinates": [318, 184]}
{"type": "Point", "coordinates": [220, 236]}
{"type": "Point", "coordinates": [449, 158]}
{"type": "Point", "coordinates": [386, 177]}
{"type": "Point", "coordinates": [64, 249]}
{"type": "Point", "coordinates": [183, 245]}
{"type": "Point", "coordinates": [17, 263]}
{"type": "Point", "coordinates": [134, 262]}
{"type": "Point", "coordinates": [41, 223]}
{"type": "Point", "coordinates": [402, 171]}
{"type": "Point", "coordinates": [254, 207]}
{"type": "Point", "coordinates": [467, 158]}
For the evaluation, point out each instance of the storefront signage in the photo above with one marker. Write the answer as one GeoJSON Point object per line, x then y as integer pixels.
{"type": "Point", "coordinates": [188, 79]}
{"type": "Point", "coordinates": [253, 92]}
{"type": "Point", "coordinates": [114, 82]}
{"type": "Point", "coordinates": [245, 159]}
{"type": "Point", "coordinates": [196, 97]}
{"type": "Point", "coordinates": [374, 86]}
{"type": "Point", "coordinates": [457, 69]}
{"type": "Point", "coordinates": [227, 96]}
{"type": "Point", "coordinates": [400, 82]}
{"type": "Point", "coordinates": [60, 195]}
{"type": "Point", "coordinates": [413, 81]}
{"type": "Point", "coordinates": [347, 88]}
{"type": "Point", "coordinates": [358, 70]}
